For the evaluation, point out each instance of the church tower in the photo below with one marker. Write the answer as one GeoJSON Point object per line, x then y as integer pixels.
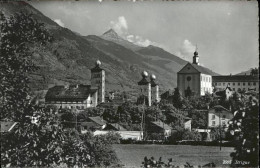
{"type": "Point", "coordinates": [154, 89]}
{"type": "Point", "coordinates": [98, 80]}
{"type": "Point", "coordinates": [196, 58]}
{"type": "Point", "coordinates": [144, 90]}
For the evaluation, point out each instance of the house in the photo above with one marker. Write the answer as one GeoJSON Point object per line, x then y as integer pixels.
{"type": "Point", "coordinates": [237, 83]}
{"type": "Point", "coordinates": [92, 123]}
{"type": "Point", "coordinates": [224, 94]}
{"type": "Point", "coordinates": [159, 127]}
{"type": "Point", "coordinates": [7, 126]}
{"type": "Point", "coordinates": [218, 116]}
{"type": "Point", "coordinates": [194, 79]}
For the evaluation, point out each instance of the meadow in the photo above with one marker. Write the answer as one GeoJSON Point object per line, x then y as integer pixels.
{"type": "Point", "coordinates": [132, 155]}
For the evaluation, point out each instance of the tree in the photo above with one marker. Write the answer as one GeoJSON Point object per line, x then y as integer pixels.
{"type": "Point", "coordinates": [20, 33]}
{"type": "Point", "coordinates": [38, 140]}
{"type": "Point", "coordinates": [177, 102]}
{"type": "Point", "coordinates": [245, 129]}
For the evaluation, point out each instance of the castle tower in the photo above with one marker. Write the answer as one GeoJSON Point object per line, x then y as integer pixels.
{"type": "Point", "coordinates": [196, 58]}
{"type": "Point", "coordinates": [98, 80]}
{"type": "Point", "coordinates": [154, 89]}
{"type": "Point", "coordinates": [145, 89]}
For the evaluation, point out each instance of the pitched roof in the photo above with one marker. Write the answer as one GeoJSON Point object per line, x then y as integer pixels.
{"type": "Point", "coordinates": [97, 120]}
{"type": "Point", "coordinates": [235, 78]}
{"type": "Point", "coordinates": [162, 125]}
{"type": "Point", "coordinates": [144, 81]}
{"type": "Point", "coordinates": [7, 126]}
{"type": "Point", "coordinates": [220, 107]}
{"type": "Point", "coordinates": [204, 70]}
{"type": "Point", "coordinates": [96, 69]}
{"type": "Point", "coordinates": [200, 69]}
{"type": "Point", "coordinates": [67, 93]}
{"type": "Point", "coordinates": [117, 126]}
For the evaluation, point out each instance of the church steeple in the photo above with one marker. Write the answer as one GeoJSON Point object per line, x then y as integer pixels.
{"type": "Point", "coordinates": [196, 57]}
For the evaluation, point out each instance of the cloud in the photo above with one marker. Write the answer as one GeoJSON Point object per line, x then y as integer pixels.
{"type": "Point", "coordinates": [59, 22]}
{"type": "Point", "coordinates": [120, 25]}
{"type": "Point", "coordinates": [186, 50]}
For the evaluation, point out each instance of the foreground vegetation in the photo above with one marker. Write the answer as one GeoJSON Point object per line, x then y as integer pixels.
{"type": "Point", "coordinates": [38, 139]}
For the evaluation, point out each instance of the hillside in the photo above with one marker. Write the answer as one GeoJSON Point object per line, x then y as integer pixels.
{"type": "Point", "coordinates": [70, 56]}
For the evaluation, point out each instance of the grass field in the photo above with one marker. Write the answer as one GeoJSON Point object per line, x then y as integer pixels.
{"type": "Point", "coordinates": [132, 155]}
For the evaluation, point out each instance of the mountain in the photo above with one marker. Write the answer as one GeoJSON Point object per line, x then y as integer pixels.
{"type": "Point", "coordinates": [111, 35]}
{"type": "Point", "coordinates": [247, 72]}
{"type": "Point", "coordinates": [69, 58]}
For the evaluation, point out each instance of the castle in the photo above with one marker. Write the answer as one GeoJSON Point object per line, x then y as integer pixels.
{"type": "Point", "coordinates": [79, 96]}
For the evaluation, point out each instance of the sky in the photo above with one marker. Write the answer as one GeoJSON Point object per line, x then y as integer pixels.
{"type": "Point", "coordinates": [225, 32]}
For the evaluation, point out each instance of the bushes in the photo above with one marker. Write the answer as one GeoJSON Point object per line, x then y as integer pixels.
{"type": "Point", "coordinates": [183, 134]}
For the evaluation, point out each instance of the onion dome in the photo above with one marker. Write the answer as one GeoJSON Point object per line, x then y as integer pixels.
{"type": "Point", "coordinates": [196, 53]}
{"type": "Point", "coordinates": [153, 77]}
{"type": "Point", "coordinates": [144, 74]}
{"type": "Point", "coordinates": [98, 63]}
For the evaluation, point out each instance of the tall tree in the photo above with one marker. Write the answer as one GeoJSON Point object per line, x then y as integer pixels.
{"type": "Point", "coordinates": [177, 102]}
{"type": "Point", "coordinates": [20, 34]}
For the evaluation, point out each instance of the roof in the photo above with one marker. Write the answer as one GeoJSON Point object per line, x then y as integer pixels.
{"type": "Point", "coordinates": [220, 107]}
{"type": "Point", "coordinates": [117, 126]}
{"type": "Point", "coordinates": [97, 120]}
{"type": "Point", "coordinates": [200, 69]}
{"type": "Point", "coordinates": [235, 78]}
{"type": "Point", "coordinates": [60, 93]}
{"type": "Point", "coordinates": [7, 126]}
{"type": "Point", "coordinates": [162, 125]}
{"type": "Point", "coordinates": [153, 83]}
{"type": "Point", "coordinates": [204, 70]}
{"type": "Point", "coordinates": [96, 69]}
{"type": "Point", "coordinates": [144, 81]}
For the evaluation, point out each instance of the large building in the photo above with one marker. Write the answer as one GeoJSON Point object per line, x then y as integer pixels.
{"type": "Point", "coordinates": [79, 96]}
{"type": "Point", "coordinates": [194, 79]}
{"type": "Point", "coordinates": [72, 97]}
{"type": "Point", "coordinates": [236, 82]}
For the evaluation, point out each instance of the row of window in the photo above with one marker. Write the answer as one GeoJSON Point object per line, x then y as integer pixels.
{"type": "Point", "coordinates": [238, 84]}
{"type": "Point", "coordinates": [205, 79]}
{"type": "Point", "coordinates": [213, 117]}
{"type": "Point", "coordinates": [222, 123]}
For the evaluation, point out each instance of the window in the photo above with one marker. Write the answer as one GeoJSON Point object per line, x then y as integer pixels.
{"type": "Point", "coordinates": [233, 89]}
{"type": "Point", "coordinates": [249, 83]}
{"type": "Point", "coordinates": [213, 117]}
{"type": "Point", "coordinates": [213, 123]}
{"type": "Point", "coordinates": [224, 116]}
{"type": "Point", "coordinates": [254, 83]}
{"type": "Point", "coordinates": [82, 107]}
{"type": "Point", "coordinates": [228, 84]}
{"type": "Point", "coordinates": [223, 84]}
{"type": "Point", "coordinates": [234, 83]}
{"type": "Point", "coordinates": [244, 84]}
{"type": "Point", "coordinates": [219, 84]}
{"type": "Point", "coordinates": [238, 84]}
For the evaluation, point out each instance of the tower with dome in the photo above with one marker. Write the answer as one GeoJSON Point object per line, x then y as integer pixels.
{"type": "Point", "coordinates": [144, 90]}
{"type": "Point", "coordinates": [154, 89]}
{"type": "Point", "coordinates": [98, 80]}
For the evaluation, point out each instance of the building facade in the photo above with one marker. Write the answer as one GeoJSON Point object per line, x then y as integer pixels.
{"type": "Point", "coordinates": [219, 116]}
{"type": "Point", "coordinates": [72, 97]}
{"type": "Point", "coordinates": [98, 80]}
{"type": "Point", "coordinates": [194, 79]}
{"type": "Point", "coordinates": [236, 82]}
